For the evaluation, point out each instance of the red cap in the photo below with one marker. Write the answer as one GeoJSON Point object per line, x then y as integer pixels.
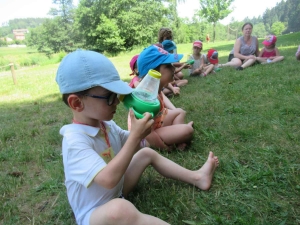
{"type": "Point", "coordinates": [212, 56]}
{"type": "Point", "coordinates": [270, 39]}
{"type": "Point", "coordinates": [197, 44]}
{"type": "Point", "coordinates": [132, 63]}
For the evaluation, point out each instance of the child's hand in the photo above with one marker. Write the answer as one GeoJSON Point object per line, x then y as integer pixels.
{"type": "Point", "coordinates": [176, 90]}
{"type": "Point", "coordinates": [140, 128]}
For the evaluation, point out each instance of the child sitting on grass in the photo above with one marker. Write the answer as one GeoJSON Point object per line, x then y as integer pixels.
{"type": "Point", "coordinates": [269, 54]}
{"type": "Point", "coordinates": [169, 128]}
{"type": "Point", "coordinates": [101, 161]}
{"type": "Point", "coordinates": [199, 68]}
{"type": "Point", "coordinates": [171, 89]}
{"type": "Point", "coordinates": [170, 46]}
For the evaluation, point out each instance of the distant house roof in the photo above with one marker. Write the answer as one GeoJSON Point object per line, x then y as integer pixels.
{"type": "Point", "coordinates": [19, 34]}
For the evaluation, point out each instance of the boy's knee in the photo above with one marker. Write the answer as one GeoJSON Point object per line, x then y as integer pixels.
{"type": "Point", "coordinates": [121, 209]}
{"type": "Point", "coordinates": [147, 153]}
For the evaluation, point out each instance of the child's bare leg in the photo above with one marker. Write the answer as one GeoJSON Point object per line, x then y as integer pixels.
{"type": "Point", "coordinates": [181, 83]}
{"type": "Point", "coordinates": [156, 142]}
{"type": "Point", "coordinates": [167, 91]}
{"type": "Point", "coordinates": [248, 63]}
{"type": "Point", "coordinates": [208, 68]}
{"type": "Point", "coordinates": [277, 59]}
{"type": "Point", "coordinates": [201, 178]}
{"type": "Point", "coordinates": [121, 212]}
{"type": "Point", "coordinates": [174, 116]}
{"type": "Point", "coordinates": [235, 62]}
{"type": "Point", "coordinates": [176, 134]}
{"type": "Point", "coordinates": [179, 75]}
{"type": "Point", "coordinates": [261, 59]}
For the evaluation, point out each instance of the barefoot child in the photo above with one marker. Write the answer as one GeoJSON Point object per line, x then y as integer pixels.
{"type": "Point", "coordinates": [199, 68]}
{"type": "Point", "coordinates": [269, 54]}
{"type": "Point", "coordinates": [169, 129]}
{"type": "Point", "coordinates": [101, 161]}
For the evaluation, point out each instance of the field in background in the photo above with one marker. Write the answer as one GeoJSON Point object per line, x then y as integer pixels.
{"type": "Point", "coordinates": [249, 118]}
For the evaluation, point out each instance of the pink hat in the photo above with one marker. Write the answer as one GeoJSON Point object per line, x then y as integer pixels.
{"type": "Point", "coordinates": [270, 39]}
{"type": "Point", "coordinates": [197, 44]}
{"type": "Point", "coordinates": [132, 63]}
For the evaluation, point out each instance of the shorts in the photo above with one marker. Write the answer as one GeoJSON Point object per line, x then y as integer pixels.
{"type": "Point", "coordinates": [230, 57]}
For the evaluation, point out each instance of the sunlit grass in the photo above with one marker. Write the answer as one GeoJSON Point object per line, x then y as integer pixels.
{"type": "Point", "coordinates": [249, 118]}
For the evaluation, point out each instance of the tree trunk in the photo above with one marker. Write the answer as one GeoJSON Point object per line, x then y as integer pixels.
{"type": "Point", "coordinates": [214, 33]}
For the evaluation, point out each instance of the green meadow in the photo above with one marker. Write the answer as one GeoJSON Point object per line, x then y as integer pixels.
{"type": "Point", "coordinates": [250, 119]}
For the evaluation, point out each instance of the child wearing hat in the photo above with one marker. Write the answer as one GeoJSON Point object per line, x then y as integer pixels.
{"type": "Point", "coordinates": [270, 53]}
{"type": "Point", "coordinates": [170, 46]}
{"type": "Point", "coordinates": [199, 68]}
{"type": "Point", "coordinates": [212, 58]}
{"type": "Point", "coordinates": [171, 89]}
{"type": "Point", "coordinates": [101, 161]}
{"type": "Point", "coordinates": [169, 127]}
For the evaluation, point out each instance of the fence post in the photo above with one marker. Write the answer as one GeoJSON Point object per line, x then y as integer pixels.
{"type": "Point", "coordinates": [12, 69]}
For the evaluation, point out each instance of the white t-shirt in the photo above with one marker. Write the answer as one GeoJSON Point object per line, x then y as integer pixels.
{"type": "Point", "coordinates": [82, 147]}
{"type": "Point", "coordinates": [197, 62]}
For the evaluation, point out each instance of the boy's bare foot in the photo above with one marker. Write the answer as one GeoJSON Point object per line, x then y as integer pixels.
{"type": "Point", "coordinates": [206, 172]}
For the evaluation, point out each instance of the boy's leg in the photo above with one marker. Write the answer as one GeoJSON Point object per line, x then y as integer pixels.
{"type": "Point", "coordinates": [201, 178]}
{"type": "Point", "coordinates": [121, 212]}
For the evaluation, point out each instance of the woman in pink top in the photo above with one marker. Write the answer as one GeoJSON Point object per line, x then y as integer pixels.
{"type": "Point", "coordinates": [269, 54]}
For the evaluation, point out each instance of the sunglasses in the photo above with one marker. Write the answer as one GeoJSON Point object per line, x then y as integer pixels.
{"type": "Point", "coordinates": [110, 98]}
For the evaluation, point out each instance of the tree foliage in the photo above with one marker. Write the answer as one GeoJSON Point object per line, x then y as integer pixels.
{"type": "Point", "coordinates": [214, 11]}
{"type": "Point", "coordinates": [277, 28]}
{"type": "Point", "coordinates": [113, 26]}
{"type": "Point", "coordinates": [125, 23]}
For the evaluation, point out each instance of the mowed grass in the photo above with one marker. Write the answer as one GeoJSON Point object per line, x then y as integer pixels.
{"type": "Point", "coordinates": [250, 119]}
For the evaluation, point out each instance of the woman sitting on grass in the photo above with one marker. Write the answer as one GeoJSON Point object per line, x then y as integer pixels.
{"type": "Point", "coordinates": [244, 51]}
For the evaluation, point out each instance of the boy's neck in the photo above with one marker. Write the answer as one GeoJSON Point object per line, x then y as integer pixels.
{"type": "Point", "coordinates": [77, 121]}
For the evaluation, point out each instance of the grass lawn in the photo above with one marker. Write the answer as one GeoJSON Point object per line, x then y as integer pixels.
{"type": "Point", "coordinates": [250, 119]}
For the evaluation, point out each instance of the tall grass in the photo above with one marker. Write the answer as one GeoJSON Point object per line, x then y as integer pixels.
{"type": "Point", "coordinates": [249, 118]}
{"type": "Point", "coordinates": [24, 57]}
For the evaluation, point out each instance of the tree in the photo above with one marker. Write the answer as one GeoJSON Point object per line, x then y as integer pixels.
{"type": "Point", "coordinates": [57, 34]}
{"type": "Point", "coordinates": [259, 30]}
{"type": "Point", "coordinates": [277, 28]}
{"type": "Point", "coordinates": [215, 10]}
{"type": "Point", "coordinates": [132, 22]}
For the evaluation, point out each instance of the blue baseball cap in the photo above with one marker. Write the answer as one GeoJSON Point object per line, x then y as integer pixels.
{"type": "Point", "coordinates": [168, 45]}
{"type": "Point", "coordinates": [82, 69]}
{"type": "Point", "coordinates": [153, 56]}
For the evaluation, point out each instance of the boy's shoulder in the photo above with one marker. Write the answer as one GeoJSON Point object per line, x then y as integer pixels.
{"type": "Point", "coordinates": [85, 129]}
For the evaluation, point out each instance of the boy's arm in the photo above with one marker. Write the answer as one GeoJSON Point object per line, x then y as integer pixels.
{"type": "Point", "coordinates": [110, 175]}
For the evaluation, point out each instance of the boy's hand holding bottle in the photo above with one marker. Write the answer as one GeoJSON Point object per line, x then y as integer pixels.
{"type": "Point", "coordinates": [140, 128]}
